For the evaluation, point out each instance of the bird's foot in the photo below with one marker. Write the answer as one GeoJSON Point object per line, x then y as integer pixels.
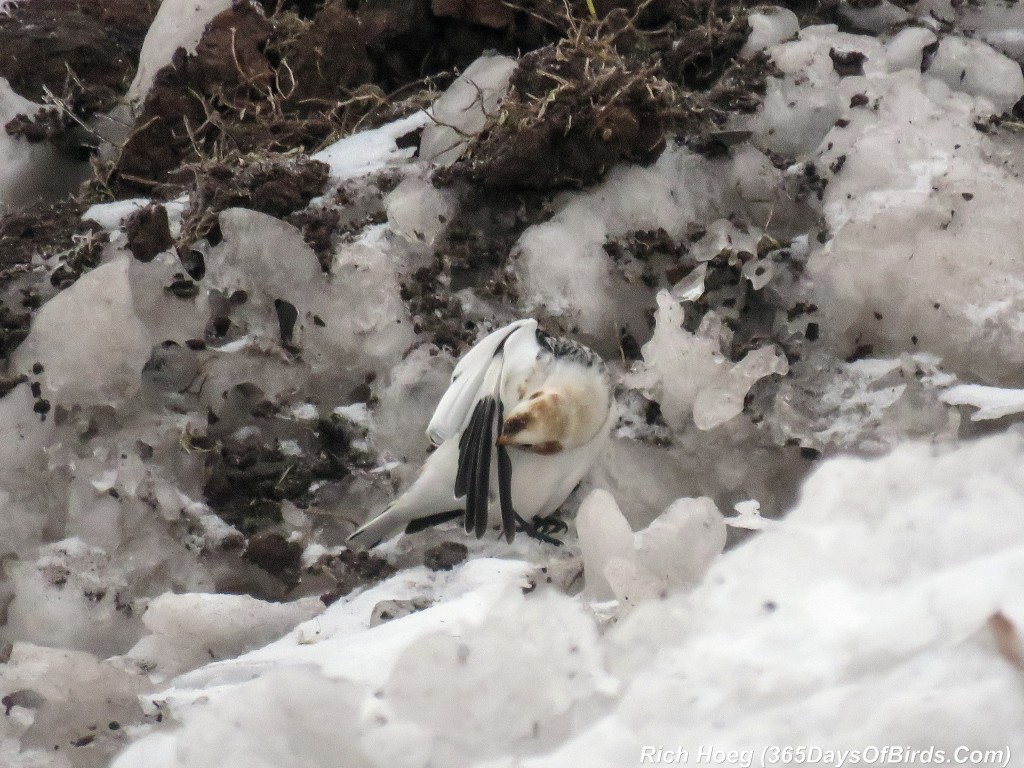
{"type": "Point", "coordinates": [530, 530]}
{"type": "Point", "coordinates": [550, 524]}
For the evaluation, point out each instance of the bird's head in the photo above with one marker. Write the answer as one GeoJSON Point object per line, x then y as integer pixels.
{"type": "Point", "coordinates": [541, 423]}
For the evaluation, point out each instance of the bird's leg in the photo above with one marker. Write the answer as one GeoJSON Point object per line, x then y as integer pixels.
{"type": "Point", "coordinates": [550, 524]}
{"type": "Point", "coordinates": [533, 533]}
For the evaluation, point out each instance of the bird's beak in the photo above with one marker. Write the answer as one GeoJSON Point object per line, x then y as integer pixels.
{"type": "Point", "coordinates": [513, 426]}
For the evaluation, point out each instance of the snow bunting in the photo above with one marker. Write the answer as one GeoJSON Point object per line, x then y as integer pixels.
{"type": "Point", "coordinates": [526, 413]}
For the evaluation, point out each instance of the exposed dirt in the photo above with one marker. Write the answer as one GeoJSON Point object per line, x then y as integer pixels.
{"type": "Point", "coordinates": [81, 52]}
{"type": "Point", "coordinates": [247, 481]}
{"type": "Point", "coordinates": [148, 232]}
{"type": "Point", "coordinates": [349, 570]}
{"type": "Point", "coordinates": [271, 185]}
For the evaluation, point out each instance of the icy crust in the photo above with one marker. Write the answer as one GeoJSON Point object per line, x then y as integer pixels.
{"type": "Point", "coordinates": [27, 170]}
{"type": "Point", "coordinates": [894, 620]}
{"type": "Point", "coordinates": [913, 194]}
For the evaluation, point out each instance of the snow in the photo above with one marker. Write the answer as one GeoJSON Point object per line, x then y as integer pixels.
{"type": "Point", "coordinates": [178, 24]}
{"type": "Point", "coordinates": [991, 402]}
{"type": "Point", "coordinates": [369, 151]}
{"type": "Point", "coordinates": [893, 571]}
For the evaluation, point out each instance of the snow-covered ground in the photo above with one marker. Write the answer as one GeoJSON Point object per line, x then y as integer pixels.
{"type": "Point", "coordinates": [871, 221]}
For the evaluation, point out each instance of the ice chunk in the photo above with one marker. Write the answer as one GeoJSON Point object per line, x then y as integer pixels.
{"type": "Point", "coordinates": [867, 406]}
{"type": "Point", "coordinates": [71, 698]}
{"type": "Point", "coordinates": [366, 325]}
{"type": "Point", "coordinates": [407, 398]}
{"type": "Point", "coordinates": [418, 211]}
{"type": "Point", "coordinates": [679, 363]}
{"type": "Point", "coordinates": [922, 250]}
{"type": "Point", "coordinates": [991, 402]}
{"type": "Point", "coordinates": [878, 18]}
{"type": "Point", "coordinates": [671, 554]}
{"type": "Point", "coordinates": [907, 49]}
{"type": "Point", "coordinates": [263, 256]}
{"type": "Point", "coordinates": [190, 629]}
{"type": "Point", "coordinates": [70, 598]}
{"type": "Point", "coordinates": [975, 68]}
{"type": "Point", "coordinates": [89, 339]}
{"type": "Point", "coordinates": [769, 25]}
{"type": "Point", "coordinates": [462, 111]}
{"type": "Point", "coordinates": [686, 372]}
{"type": "Point", "coordinates": [604, 535]}
{"type": "Point", "coordinates": [165, 315]}
{"type": "Point", "coordinates": [1001, 25]}
{"type": "Point", "coordinates": [178, 24]}
{"type": "Point", "coordinates": [680, 545]}
{"type": "Point", "coordinates": [566, 270]}
{"type": "Point", "coordinates": [30, 171]}
{"type": "Point", "coordinates": [715, 405]}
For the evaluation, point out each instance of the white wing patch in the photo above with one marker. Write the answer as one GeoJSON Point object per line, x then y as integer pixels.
{"type": "Point", "coordinates": [474, 377]}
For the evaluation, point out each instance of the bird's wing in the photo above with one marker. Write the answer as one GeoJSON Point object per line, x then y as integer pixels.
{"type": "Point", "coordinates": [467, 386]}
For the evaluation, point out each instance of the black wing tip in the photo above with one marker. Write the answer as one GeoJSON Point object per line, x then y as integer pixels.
{"type": "Point", "coordinates": [473, 477]}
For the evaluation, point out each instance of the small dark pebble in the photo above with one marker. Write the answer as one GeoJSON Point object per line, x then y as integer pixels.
{"type": "Point", "coordinates": [847, 63]}
{"type": "Point", "coordinates": [195, 344]}
{"type": "Point", "coordinates": [183, 289]}
{"type": "Point", "coordinates": [859, 100]}
{"type": "Point", "coordinates": [812, 332]}
{"type": "Point", "coordinates": [42, 407]}
{"type": "Point", "coordinates": [114, 725]}
{"type": "Point", "coordinates": [445, 556]}
{"type": "Point", "coordinates": [809, 453]}
{"type": "Point", "coordinates": [37, 368]}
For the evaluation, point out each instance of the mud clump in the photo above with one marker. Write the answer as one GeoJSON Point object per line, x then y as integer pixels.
{"type": "Point", "coordinates": [445, 556]}
{"type": "Point", "coordinates": [275, 186]}
{"type": "Point", "coordinates": [275, 554]}
{"type": "Point", "coordinates": [248, 482]}
{"type": "Point", "coordinates": [574, 110]}
{"type": "Point", "coordinates": [148, 232]}
{"type": "Point", "coordinates": [351, 569]}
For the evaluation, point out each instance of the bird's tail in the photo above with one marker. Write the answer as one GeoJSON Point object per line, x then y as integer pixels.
{"type": "Point", "coordinates": [385, 525]}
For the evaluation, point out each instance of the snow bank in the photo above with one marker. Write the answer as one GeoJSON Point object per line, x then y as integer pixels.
{"type": "Point", "coordinates": [876, 613]}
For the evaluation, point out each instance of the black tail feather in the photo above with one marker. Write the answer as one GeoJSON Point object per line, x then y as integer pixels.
{"type": "Point", "coordinates": [422, 523]}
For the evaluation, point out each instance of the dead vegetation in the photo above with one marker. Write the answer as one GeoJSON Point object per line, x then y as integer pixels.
{"type": "Point", "coordinates": [612, 89]}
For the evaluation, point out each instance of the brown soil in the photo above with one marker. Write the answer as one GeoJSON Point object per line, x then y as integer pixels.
{"type": "Point", "coordinates": [82, 52]}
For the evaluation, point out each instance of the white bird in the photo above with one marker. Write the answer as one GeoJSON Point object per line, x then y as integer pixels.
{"type": "Point", "coordinates": [525, 412]}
